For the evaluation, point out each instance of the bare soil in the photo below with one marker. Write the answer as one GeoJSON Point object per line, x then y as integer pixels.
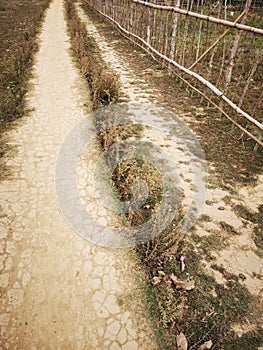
{"type": "Point", "coordinates": [44, 277]}
{"type": "Point", "coordinates": [19, 25]}
{"type": "Point", "coordinates": [233, 159]}
{"type": "Point", "coordinates": [58, 290]}
{"type": "Point", "coordinates": [224, 251]}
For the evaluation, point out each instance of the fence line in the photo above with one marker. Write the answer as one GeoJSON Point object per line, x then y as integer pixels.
{"type": "Point", "coordinates": [200, 16]}
{"type": "Point", "coordinates": [152, 35]}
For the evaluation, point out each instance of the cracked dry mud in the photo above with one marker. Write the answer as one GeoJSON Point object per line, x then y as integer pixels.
{"type": "Point", "coordinates": [58, 291]}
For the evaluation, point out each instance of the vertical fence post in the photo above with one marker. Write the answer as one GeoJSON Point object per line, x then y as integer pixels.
{"type": "Point", "coordinates": [174, 31]}
{"type": "Point", "coordinates": [199, 33]}
{"type": "Point", "coordinates": [148, 40]}
{"type": "Point", "coordinates": [234, 50]}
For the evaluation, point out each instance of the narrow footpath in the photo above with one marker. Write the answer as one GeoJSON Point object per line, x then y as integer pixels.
{"type": "Point", "coordinates": [239, 254]}
{"type": "Point", "coordinates": [58, 291]}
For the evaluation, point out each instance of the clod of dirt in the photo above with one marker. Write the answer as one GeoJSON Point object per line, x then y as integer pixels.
{"type": "Point", "coordinates": [186, 285]}
{"type": "Point", "coordinates": [181, 342]}
{"type": "Point", "coordinates": [242, 276]}
{"type": "Point", "coordinates": [221, 208]}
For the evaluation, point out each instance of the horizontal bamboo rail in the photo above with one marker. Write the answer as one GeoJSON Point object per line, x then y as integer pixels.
{"type": "Point", "coordinates": [202, 17]}
{"type": "Point", "coordinates": [146, 44]}
{"type": "Point", "coordinates": [187, 71]}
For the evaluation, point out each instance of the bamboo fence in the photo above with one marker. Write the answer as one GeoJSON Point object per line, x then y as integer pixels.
{"type": "Point", "coordinates": [214, 47]}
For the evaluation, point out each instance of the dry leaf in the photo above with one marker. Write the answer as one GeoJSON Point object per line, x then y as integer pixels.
{"type": "Point", "coordinates": [181, 342]}
{"type": "Point", "coordinates": [206, 346]}
{"type": "Point", "coordinates": [156, 280]}
{"type": "Point", "coordinates": [186, 285]}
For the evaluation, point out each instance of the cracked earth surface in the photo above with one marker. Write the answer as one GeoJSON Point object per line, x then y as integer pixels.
{"type": "Point", "coordinates": [58, 291]}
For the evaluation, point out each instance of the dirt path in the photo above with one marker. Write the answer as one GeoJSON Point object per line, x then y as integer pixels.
{"type": "Point", "coordinates": [58, 290]}
{"type": "Point", "coordinates": [238, 252]}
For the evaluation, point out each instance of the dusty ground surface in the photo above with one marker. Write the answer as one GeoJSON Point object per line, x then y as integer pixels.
{"type": "Point", "coordinates": [137, 89]}
{"type": "Point", "coordinates": [57, 289]}
{"type": "Point", "coordinates": [226, 237]}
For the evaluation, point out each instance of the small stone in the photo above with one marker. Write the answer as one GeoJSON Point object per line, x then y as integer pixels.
{"type": "Point", "coordinates": [242, 276]}
{"type": "Point", "coordinates": [221, 208]}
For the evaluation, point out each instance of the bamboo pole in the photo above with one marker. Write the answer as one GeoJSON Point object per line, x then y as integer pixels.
{"type": "Point", "coordinates": [185, 36]}
{"type": "Point", "coordinates": [174, 31]}
{"type": "Point", "coordinates": [166, 33]}
{"type": "Point", "coordinates": [216, 42]}
{"type": "Point", "coordinates": [253, 70]}
{"type": "Point", "coordinates": [199, 33]}
{"type": "Point", "coordinates": [160, 34]}
{"type": "Point", "coordinates": [211, 61]}
{"type": "Point", "coordinates": [224, 52]}
{"type": "Point", "coordinates": [258, 140]}
{"type": "Point", "coordinates": [203, 17]}
{"type": "Point", "coordinates": [191, 73]}
{"type": "Point", "coordinates": [233, 51]}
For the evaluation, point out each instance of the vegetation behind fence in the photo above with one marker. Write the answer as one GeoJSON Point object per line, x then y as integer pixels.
{"type": "Point", "coordinates": [216, 47]}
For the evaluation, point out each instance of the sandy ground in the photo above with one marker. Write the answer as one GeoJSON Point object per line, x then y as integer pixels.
{"type": "Point", "coordinates": [58, 291]}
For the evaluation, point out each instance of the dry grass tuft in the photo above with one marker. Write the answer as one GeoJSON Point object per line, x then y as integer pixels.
{"type": "Point", "coordinates": [103, 83]}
